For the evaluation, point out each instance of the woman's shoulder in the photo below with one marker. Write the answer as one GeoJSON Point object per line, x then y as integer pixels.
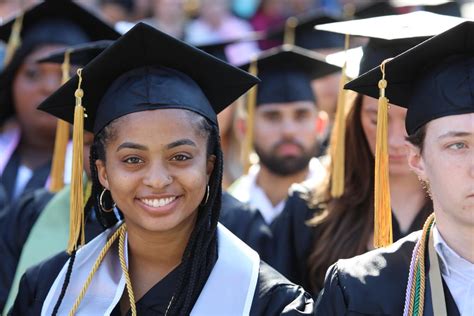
{"type": "Point", "coordinates": [275, 295]}
{"type": "Point", "coordinates": [372, 283]}
{"type": "Point", "coordinates": [35, 285]}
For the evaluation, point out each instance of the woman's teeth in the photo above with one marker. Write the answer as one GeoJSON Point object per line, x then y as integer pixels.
{"type": "Point", "coordinates": [158, 202]}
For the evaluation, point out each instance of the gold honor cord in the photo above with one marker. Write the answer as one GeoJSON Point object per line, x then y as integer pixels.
{"type": "Point", "coordinates": [123, 264]}
{"type": "Point", "coordinates": [415, 292]}
{"type": "Point", "coordinates": [382, 209]}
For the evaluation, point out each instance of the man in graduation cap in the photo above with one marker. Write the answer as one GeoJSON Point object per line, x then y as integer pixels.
{"type": "Point", "coordinates": [284, 132]}
{"type": "Point", "coordinates": [429, 272]}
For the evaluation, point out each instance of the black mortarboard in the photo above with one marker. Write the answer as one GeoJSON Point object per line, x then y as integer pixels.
{"type": "Point", "coordinates": [216, 49]}
{"type": "Point", "coordinates": [393, 34]}
{"type": "Point", "coordinates": [64, 11]}
{"type": "Point", "coordinates": [447, 7]}
{"type": "Point", "coordinates": [146, 69]}
{"type": "Point", "coordinates": [432, 80]}
{"type": "Point", "coordinates": [80, 54]}
{"type": "Point", "coordinates": [375, 9]}
{"type": "Point", "coordinates": [304, 34]}
{"type": "Point", "coordinates": [286, 73]}
{"type": "Point", "coordinates": [50, 22]}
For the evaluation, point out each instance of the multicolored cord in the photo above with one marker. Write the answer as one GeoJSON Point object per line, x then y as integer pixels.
{"type": "Point", "coordinates": [415, 293]}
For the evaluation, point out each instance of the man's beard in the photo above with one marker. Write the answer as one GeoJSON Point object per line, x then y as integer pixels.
{"type": "Point", "coordinates": [285, 166]}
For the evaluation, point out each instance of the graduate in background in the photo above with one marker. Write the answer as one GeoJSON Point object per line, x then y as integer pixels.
{"type": "Point", "coordinates": [429, 272]}
{"type": "Point", "coordinates": [27, 136]}
{"type": "Point", "coordinates": [156, 156]}
{"type": "Point", "coordinates": [284, 130]}
{"type": "Point", "coordinates": [317, 227]}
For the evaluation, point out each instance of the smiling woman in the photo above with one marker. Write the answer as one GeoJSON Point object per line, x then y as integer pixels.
{"type": "Point", "coordinates": [152, 103]}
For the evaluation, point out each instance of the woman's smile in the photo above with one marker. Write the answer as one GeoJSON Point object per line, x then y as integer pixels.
{"type": "Point", "coordinates": [158, 205]}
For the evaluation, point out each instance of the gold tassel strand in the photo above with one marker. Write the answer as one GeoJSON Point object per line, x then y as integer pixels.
{"type": "Point", "coordinates": [62, 138]}
{"type": "Point", "coordinates": [338, 138]}
{"type": "Point", "coordinates": [14, 41]}
{"type": "Point", "coordinates": [76, 225]}
{"type": "Point", "coordinates": [251, 105]}
{"type": "Point", "coordinates": [382, 211]}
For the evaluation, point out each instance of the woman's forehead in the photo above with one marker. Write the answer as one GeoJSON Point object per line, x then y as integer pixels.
{"type": "Point", "coordinates": [158, 123]}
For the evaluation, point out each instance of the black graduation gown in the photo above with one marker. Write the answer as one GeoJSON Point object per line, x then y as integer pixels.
{"type": "Point", "coordinates": [274, 294]}
{"type": "Point", "coordinates": [8, 178]}
{"type": "Point", "coordinates": [375, 283]}
{"type": "Point", "coordinates": [15, 226]}
{"type": "Point", "coordinates": [247, 224]}
{"type": "Point", "coordinates": [293, 239]}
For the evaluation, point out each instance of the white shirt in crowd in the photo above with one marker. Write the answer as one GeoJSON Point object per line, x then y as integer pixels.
{"type": "Point", "coordinates": [246, 190]}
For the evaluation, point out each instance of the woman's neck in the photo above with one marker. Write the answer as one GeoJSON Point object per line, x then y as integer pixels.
{"type": "Point", "coordinates": [407, 199]}
{"type": "Point", "coordinates": [152, 255]}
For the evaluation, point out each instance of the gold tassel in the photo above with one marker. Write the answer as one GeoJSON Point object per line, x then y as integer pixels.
{"type": "Point", "coordinates": [382, 212]}
{"type": "Point", "coordinates": [338, 138]}
{"type": "Point", "coordinates": [251, 105]}
{"type": "Point", "coordinates": [290, 26]}
{"type": "Point", "coordinates": [15, 39]}
{"type": "Point", "coordinates": [62, 138]}
{"type": "Point", "coordinates": [76, 224]}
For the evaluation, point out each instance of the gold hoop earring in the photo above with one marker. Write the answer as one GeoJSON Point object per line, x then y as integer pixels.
{"type": "Point", "coordinates": [101, 203]}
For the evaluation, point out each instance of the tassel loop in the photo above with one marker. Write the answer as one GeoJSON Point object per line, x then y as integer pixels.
{"type": "Point", "coordinates": [383, 235]}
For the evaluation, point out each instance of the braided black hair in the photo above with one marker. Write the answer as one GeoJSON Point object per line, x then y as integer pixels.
{"type": "Point", "coordinates": [201, 251]}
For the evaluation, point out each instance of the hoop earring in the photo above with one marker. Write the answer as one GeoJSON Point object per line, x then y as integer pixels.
{"type": "Point", "coordinates": [207, 195]}
{"type": "Point", "coordinates": [101, 203]}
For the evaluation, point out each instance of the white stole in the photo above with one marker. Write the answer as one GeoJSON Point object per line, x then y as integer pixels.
{"type": "Point", "coordinates": [229, 289]}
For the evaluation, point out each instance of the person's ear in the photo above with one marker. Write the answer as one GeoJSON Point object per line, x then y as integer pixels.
{"type": "Point", "coordinates": [102, 173]}
{"type": "Point", "coordinates": [211, 160]}
{"type": "Point", "coordinates": [416, 161]}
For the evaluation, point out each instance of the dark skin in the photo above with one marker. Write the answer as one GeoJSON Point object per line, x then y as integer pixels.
{"type": "Point", "coordinates": [32, 84]}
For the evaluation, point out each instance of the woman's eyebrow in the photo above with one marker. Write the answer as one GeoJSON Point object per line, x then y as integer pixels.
{"type": "Point", "coordinates": [180, 142]}
{"type": "Point", "coordinates": [131, 145]}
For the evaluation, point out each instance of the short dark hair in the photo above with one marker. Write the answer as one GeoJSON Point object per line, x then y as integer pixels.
{"type": "Point", "coordinates": [418, 137]}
